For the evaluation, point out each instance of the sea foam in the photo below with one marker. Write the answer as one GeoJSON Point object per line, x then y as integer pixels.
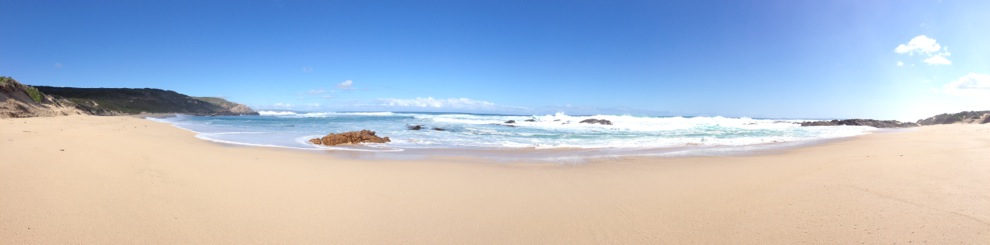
{"type": "Point", "coordinates": [491, 132]}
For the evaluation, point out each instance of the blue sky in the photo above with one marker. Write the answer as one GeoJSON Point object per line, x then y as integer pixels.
{"type": "Point", "coordinates": [784, 59]}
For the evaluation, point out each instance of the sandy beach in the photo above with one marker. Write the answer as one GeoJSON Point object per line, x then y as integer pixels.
{"type": "Point", "coordinates": [125, 180]}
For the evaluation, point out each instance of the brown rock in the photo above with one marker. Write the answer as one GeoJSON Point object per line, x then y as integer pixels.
{"type": "Point", "coordinates": [353, 137]}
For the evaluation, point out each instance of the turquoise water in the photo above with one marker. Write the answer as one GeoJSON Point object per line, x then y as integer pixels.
{"type": "Point", "coordinates": [490, 132]}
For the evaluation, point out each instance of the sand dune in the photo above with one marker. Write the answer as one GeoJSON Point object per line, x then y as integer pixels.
{"type": "Point", "coordinates": [86, 179]}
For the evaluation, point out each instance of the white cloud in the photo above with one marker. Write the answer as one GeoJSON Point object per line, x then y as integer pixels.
{"type": "Point", "coordinates": [282, 105]}
{"type": "Point", "coordinates": [58, 65]}
{"type": "Point", "coordinates": [937, 60]}
{"type": "Point", "coordinates": [920, 44]}
{"type": "Point", "coordinates": [345, 84]}
{"type": "Point", "coordinates": [926, 46]}
{"type": "Point", "coordinates": [900, 63]}
{"type": "Point", "coordinates": [307, 69]}
{"type": "Point", "coordinates": [970, 84]}
{"type": "Point", "coordinates": [430, 102]}
{"type": "Point", "coordinates": [316, 91]}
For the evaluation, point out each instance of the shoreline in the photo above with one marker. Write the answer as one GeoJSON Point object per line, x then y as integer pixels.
{"type": "Point", "coordinates": [85, 179]}
{"type": "Point", "coordinates": [628, 136]}
{"type": "Point", "coordinates": [531, 154]}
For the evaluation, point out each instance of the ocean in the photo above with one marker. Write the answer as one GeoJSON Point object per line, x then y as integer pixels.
{"type": "Point", "coordinates": [548, 137]}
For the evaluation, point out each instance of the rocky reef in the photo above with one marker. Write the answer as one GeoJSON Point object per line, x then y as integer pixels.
{"type": "Point", "coordinates": [862, 122]}
{"type": "Point", "coordinates": [596, 121]}
{"type": "Point", "coordinates": [420, 127]}
{"type": "Point", "coordinates": [353, 137]}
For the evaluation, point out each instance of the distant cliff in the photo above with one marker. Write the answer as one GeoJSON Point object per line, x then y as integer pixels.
{"type": "Point", "coordinates": [233, 108]}
{"type": "Point", "coordinates": [862, 122]}
{"type": "Point", "coordinates": [19, 100]}
{"type": "Point", "coordinates": [971, 117]}
{"type": "Point", "coordinates": [966, 117]}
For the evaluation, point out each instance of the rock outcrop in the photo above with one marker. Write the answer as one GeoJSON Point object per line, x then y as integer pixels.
{"type": "Point", "coordinates": [510, 121]}
{"type": "Point", "coordinates": [353, 137]}
{"type": "Point", "coordinates": [414, 127]}
{"type": "Point", "coordinates": [861, 122]}
{"type": "Point", "coordinates": [228, 108]}
{"type": "Point", "coordinates": [596, 121]}
{"type": "Point", "coordinates": [970, 117]}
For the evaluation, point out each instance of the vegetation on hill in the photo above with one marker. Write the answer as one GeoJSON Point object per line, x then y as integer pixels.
{"type": "Point", "coordinates": [34, 93]}
{"type": "Point", "coordinates": [231, 107]}
{"type": "Point", "coordinates": [217, 101]}
{"type": "Point", "coordinates": [960, 117]}
{"type": "Point", "coordinates": [19, 100]}
{"type": "Point", "coordinates": [103, 101]}
{"type": "Point", "coordinates": [9, 84]}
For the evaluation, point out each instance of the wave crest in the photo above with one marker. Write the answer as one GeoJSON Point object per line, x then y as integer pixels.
{"type": "Point", "coordinates": [322, 114]}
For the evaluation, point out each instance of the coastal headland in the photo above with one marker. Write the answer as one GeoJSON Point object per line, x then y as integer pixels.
{"type": "Point", "coordinates": [120, 179]}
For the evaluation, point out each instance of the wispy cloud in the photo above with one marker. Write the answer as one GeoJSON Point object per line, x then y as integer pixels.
{"type": "Point", "coordinates": [316, 91]}
{"type": "Point", "coordinates": [970, 84]}
{"type": "Point", "coordinates": [307, 69]}
{"type": "Point", "coordinates": [900, 63]}
{"type": "Point", "coordinates": [58, 65]}
{"type": "Point", "coordinates": [346, 85]}
{"type": "Point", "coordinates": [925, 46]}
{"type": "Point", "coordinates": [430, 102]}
{"type": "Point", "coordinates": [282, 105]}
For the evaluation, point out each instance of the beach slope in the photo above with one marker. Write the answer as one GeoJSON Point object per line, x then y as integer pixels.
{"type": "Point", "coordinates": [87, 179]}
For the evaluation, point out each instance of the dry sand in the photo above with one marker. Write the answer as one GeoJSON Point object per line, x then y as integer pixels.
{"type": "Point", "coordinates": [84, 179]}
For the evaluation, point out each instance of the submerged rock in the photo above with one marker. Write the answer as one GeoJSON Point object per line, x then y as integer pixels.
{"type": "Point", "coordinates": [414, 127]}
{"type": "Point", "coordinates": [530, 120]}
{"type": "Point", "coordinates": [353, 137]}
{"type": "Point", "coordinates": [510, 121]}
{"type": "Point", "coordinates": [596, 121]}
{"type": "Point", "coordinates": [438, 129]}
